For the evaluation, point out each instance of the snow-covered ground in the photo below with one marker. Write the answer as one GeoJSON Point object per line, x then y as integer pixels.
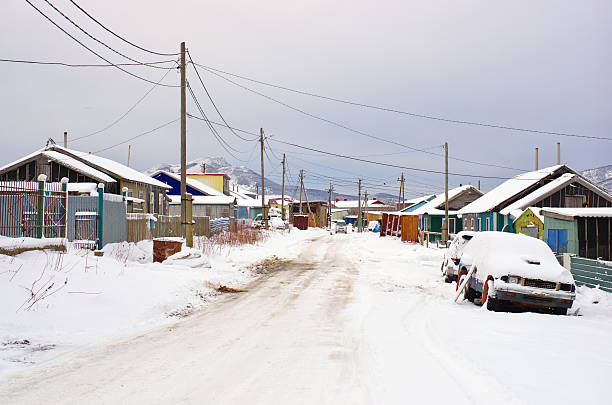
{"type": "Point", "coordinates": [351, 319]}
{"type": "Point", "coordinates": [82, 300]}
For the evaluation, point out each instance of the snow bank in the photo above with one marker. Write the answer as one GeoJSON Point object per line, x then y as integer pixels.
{"type": "Point", "coordinates": [57, 300]}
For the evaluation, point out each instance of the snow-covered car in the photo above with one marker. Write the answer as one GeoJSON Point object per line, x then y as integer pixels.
{"type": "Point", "coordinates": [515, 269]}
{"type": "Point", "coordinates": [340, 226]}
{"type": "Point", "coordinates": [274, 221]}
{"type": "Point", "coordinates": [452, 256]}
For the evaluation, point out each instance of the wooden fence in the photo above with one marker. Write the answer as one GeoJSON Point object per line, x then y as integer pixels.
{"type": "Point", "coordinates": [143, 227]}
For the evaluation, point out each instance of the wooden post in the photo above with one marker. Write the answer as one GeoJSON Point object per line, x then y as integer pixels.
{"type": "Point", "coordinates": [183, 143]}
{"type": "Point", "coordinates": [329, 216]}
{"type": "Point", "coordinates": [359, 206]}
{"type": "Point", "coordinates": [65, 139]}
{"type": "Point", "coordinates": [301, 188]}
{"type": "Point", "coordinates": [445, 224]}
{"type": "Point", "coordinates": [283, 192]}
{"type": "Point", "coordinates": [264, 208]}
{"type": "Point", "coordinates": [42, 178]}
{"type": "Point", "coordinates": [189, 217]}
{"type": "Point", "coordinates": [100, 214]}
{"type": "Point", "coordinates": [64, 210]}
{"type": "Point", "coordinates": [365, 202]}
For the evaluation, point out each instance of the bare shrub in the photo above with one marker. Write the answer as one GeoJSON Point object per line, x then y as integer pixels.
{"type": "Point", "coordinates": [218, 242]}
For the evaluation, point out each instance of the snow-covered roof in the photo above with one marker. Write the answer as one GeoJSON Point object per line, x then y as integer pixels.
{"type": "Point", "coordinates": [248, 202]}
{"type": "Point", "coordinates": [67, 161]}
{"type": "Point", "coordinates": [77, 165]}
{"type": "Point", "coordinates": [109, 165]}
{"type": "Point", "coordinates": [355, 204]}
{"type": "Point", "coordinates": [194, 183]}
{"type": "Point", "coordinates": [205, 199]}
{"type": "Point", "coordinates": [436, 205]}
{"type": "Point", "coordinates": [417, 200]}
{"type": "Point", "coordinates": [83, 188]}
{"type": "Point", "coordinates": [571, 213]}
{"type": "Point", "coordinates": [507, 190]}
{"type": "Point", "coordinates": [540, 193]}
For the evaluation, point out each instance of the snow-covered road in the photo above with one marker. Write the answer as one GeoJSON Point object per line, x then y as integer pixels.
{"type": "Point", "coordinates": [353, 319]}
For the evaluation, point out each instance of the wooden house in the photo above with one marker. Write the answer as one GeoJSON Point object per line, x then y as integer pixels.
{"type": "Point", "coordinates": [530, 222]}
{"type": "Point", "coordinates": [316, 211]}
{"type": "Point", "coordinates": [556, 186]}
{"type": "Point", "coordinates": [57, 162]}
{"type": "Point", "coordinates": [585, 232]}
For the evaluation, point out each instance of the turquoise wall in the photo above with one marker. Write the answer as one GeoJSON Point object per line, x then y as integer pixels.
{"type": "Point", "coordinates": [572, 232]}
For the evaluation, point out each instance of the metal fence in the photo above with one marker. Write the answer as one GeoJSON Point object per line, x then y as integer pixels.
{"type": "Point", "coordinates": [592, 273]}
{"type": "Point", "coordinates": [32, 209]}
{"type": "Point", "coordinates": [146, 226]}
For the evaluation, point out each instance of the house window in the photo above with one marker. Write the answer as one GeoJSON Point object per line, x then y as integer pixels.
{"type": "Point", "coordinates": [141, 195]}
{"type": "Point", "coordinates": [151, 202]}
{"type": "Point", "coordinates": [478, 222]}
{"type": "Point", "coordinates": [488, 224]}
{"type": "Point", "coordinates": [129, 193]}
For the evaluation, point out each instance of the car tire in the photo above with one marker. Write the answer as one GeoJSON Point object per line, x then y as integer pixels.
{"type": "Point", "coordinates": [469, 293]}
{"type": "Point", "coordinates": [462, 273]}
{"type": "Point", "coordinates": [493, 305]}
{"type": "Point", "coordinates": [485, 293]}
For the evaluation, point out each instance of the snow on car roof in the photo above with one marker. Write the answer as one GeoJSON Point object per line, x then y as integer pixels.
{"type": "Point", "coordinates": [503, 253]}
{"type": "Point", "coordinates": [507, 189]}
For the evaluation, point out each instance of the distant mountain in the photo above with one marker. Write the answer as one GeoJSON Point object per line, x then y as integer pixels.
{"type": "Point", "coordinates": [602, 176]}
{"type": "Point", "coordinates": [249, 179]}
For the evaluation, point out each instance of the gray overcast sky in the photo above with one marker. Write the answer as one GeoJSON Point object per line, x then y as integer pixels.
{"type": "Point", "coordinates": [531, 64]}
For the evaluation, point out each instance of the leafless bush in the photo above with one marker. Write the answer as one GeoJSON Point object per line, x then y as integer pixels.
{"type": "Point", "coordinates": [216, 243]}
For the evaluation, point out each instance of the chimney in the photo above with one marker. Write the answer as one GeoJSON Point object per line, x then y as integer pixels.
{"type": "Point", "coordinates": [66, 139]}
{"type": "Point", "coordinates": [536, 158]}
{"type": "Point", "coordinates": [373, 198]}
{"type": "Point", "coordinates": [345, 199]}
{"type": "Point", "coordinates": [558, 153]}
{"type": "Point", "coordinates": [337, 199]}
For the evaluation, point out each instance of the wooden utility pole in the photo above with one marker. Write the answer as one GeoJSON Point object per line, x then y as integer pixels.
{"type": "Point", "coordinates": [264, 209]}
{"type": "Point", "coordinates": [183, 143]}
{"type": "Point", "coordinates": [301, 188]}
{"type": "Point", "coordinates": [445, 225]}
{"type": "Point", "coordinates": [401, 196]}
{"type": "Point", "coordinates": [129, 154]}
{"type": "Point", "coordinates": [359, 207]}
{"type": "Point", "coordinates": [329, 215]}
{"type": "Point", "coordinates": [283, 192]}
{"type": "Point", "coordinates": [365, 203]}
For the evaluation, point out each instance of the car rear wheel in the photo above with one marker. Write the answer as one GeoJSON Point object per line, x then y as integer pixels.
{"type": "Point", "coordinates": [469, 293]}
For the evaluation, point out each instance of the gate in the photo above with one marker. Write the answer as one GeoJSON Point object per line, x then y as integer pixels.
{"type": "Point", "coordinates": [86, 230]}
{"type": "Point", "coordinates": [32, 209]}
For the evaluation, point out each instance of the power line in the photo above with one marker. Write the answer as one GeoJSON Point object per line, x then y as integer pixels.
{"type": "Point", "coordinates": [97, 40]}
{"type": "Point", "coordinates": [212, 101]}
{"type": "Point", "coordinates": [394, 110]}
{"type": "Point", "coordinates": [224, 144]}
{"type": "Point", "coordinates": [92, 51]}
{"type": "Point", "coordinates": [85, 65]}
{"type": "Point", "coordinates": [125, 114]}
{"type": "Point", "coordinates": [119, 36]}
{"type": "Point", "coordinates": [387, 164]}
{"type": "Point", "coordinates": [139, 135]}
{"type": "Point", "coordinates": [345, 127]}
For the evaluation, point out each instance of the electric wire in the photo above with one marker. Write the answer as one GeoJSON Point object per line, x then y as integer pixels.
{"type": "Point", "coordinates": [84, 65]}
{"type": "Point", "coordinates": [212, 101]}
{"type": "Point", "coordinates": [347, 128]}
{"type": "Point", "coordinates": [397, 111]}
{"type": "Point", "coordinates": [97, 40]}
{"type": "Point", "coordinates": [92, 51]}
{"type": "Point", "coordinates": [119, 36]}
{"type": "Point", "coordinates": [224, 144]}
{"type": "Point", "coordinates": [124, 114]}
{"type": "Point", "coordinates": [139, 135]}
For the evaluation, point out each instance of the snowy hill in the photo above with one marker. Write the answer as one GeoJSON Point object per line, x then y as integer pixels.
{"type": "Point", "coordinates": [249, 179]}
{"type": "Point", "coordinates": [600, 175]}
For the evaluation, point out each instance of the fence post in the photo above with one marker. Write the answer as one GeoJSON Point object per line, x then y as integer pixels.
{"type": "Point", "coordinates": [100, 210]}
{"type": "Point", "coordinates": [567, 261]}
{"type": "Point", "coordinates": [189, 220]}
{"type": "Point", "coordinates": [41, 205]}
{"type": "Point", "coordinates": [64, 208]}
